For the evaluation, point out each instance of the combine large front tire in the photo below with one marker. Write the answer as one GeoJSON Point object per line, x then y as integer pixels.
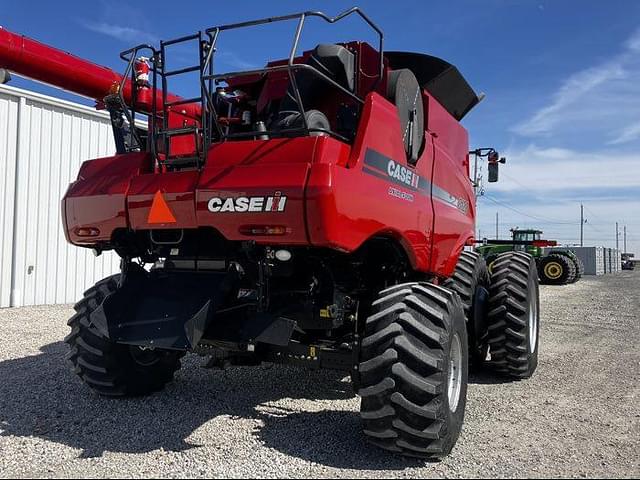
{"type": "Point", "coordinates": [514, 315]}
{"type": "Point", "coordinates": [413, 370]}
{"type": "Point", "coordinates": [109, 368]}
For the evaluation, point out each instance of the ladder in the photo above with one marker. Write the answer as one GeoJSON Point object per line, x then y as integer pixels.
{"type": "Point", "coordinates": [199, 132]}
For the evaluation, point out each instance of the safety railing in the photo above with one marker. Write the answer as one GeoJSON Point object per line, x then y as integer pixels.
{"type": "Point", "coordinates": [208, 80]}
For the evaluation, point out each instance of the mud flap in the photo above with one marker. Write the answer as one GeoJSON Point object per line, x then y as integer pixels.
{"type": "Point", "coordinates": [162, 309]}
{"type": "Point", "coordinates": [173, 310]}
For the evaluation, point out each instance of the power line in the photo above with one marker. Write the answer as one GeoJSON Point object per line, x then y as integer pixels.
{"type": "Point", "coordinates": [535, 217]}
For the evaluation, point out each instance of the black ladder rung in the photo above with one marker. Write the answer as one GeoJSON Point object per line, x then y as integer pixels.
{"type": "Point", "coordinates": [174, 132]}
{"type": "Point", "coordinates": [177, 161]}
{"type": "Point", "coordinates": [195, 68]}
{"type": "Point", "coordinates": [183, 101]}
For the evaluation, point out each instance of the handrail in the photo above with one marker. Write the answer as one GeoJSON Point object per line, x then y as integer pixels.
{"type": "Point", "coordinates": [214, 32]}
{"type": "Point", "coordinates": [311, 13]}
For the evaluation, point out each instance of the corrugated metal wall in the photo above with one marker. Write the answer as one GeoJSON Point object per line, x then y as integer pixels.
{"type": "Point", "coordinates": [43, 141]}
{"type": "Point", "coordinates": [592, 258]}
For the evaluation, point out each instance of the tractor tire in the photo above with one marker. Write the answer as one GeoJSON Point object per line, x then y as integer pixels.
{"type": "Point", "coordinates": [413, 370]}
{"type": "Point", "coordinates": [109, 368]}
{"type": "Point", "coordinates": [579, 270]}
{"type": "Point", "coordinates": [471, 280]}
{"type": "Point", "coordinates": [490, 261]}
{"type": "Point", "coordinates": [514, 315]}
{"type": "Point", "coordinates": [556, 269]}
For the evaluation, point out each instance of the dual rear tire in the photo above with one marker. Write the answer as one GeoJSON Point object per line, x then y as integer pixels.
{"type": "Point", "coordinates": [557, 269]}
{"type": "Point", "coordinates": [415, 350]}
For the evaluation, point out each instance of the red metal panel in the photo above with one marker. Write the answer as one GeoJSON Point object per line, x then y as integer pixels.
{"type": "Point", "coordinates": [453, 198]}
{"type": "Point", "coordinates": [347, 206]}
{"type": "Point", "coordinates": [257, 169]}
{"type": "Point", "coordinates": [178, 190]}
{"type": "Point", "coordinates": [97, 199]}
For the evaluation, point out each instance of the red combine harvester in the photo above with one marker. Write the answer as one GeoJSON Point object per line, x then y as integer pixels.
{"type": "Point", "coordinates": [312, 212]}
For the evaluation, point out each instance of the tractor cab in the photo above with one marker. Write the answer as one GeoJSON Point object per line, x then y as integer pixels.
{"type": "Point", "coordinates": [525, 235]}
{"type": "Point", "coordinates": [527, 240]}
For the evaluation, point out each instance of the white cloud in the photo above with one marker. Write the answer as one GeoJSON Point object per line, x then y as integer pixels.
{"type": "Point", "coordinates": [542, 170]}
{"type": "Point", "coordinates": [119, 32]}
{"type": "Point", "coordinates": [602, 99]}
{"type": "Point", "coordinates": [543, 188]}
{"type": "Point", "coordinates": [628, 134]}
{"type": "Point", "coordinates": [235, 61]}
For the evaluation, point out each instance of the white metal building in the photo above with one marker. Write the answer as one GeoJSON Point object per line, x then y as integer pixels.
{"type": "Point", "coordinates": [43, 141]}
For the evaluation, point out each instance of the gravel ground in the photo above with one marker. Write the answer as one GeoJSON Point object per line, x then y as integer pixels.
{"type": "Point", "coordinates": [578, 416]}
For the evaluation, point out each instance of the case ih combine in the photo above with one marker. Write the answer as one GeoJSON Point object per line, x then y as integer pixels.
{"type": "Point", "coordinates": [313, 212]}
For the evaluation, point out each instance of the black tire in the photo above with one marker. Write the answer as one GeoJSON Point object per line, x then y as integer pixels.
{"type": "Point", "coordinates": [490, 260]}
{"type": "Point", "coordinates": [514, 315]}
{"type": "Point", "coordinates": [109, 368]}
{"type": "Point", "coordinates": [315, 119]}
{"type": "Point", "coordinates": [471, 280]}
{"type": "Point", "coordinates": [579, 269]}
{"type": "Point", "coordinates": [405, 92]}
{"type": "Point", "coordinates": [404, 370]}
{"type": "Point", "coordinates": [556, 269]}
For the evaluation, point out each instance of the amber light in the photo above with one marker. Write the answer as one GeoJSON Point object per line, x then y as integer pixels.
{"type": "Point", "coordinates": [259, 230]}
{"type": "Point", "coordinates": [87, 232]}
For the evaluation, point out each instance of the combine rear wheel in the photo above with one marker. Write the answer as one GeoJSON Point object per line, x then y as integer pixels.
{"type": "Point", "coordinates": [514, 315]}
{"type": "Point", "coordinates": [413, 370]}
{"type": "Point", "coordinates": [109, 368]}
{"type": "Point", "coordinates": [556, 269]}
{"type": "Point", "coordinates": [470, 281]}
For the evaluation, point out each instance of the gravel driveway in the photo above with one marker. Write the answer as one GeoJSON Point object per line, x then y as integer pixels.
{"type": "Point", "coordinates": [578, 416]}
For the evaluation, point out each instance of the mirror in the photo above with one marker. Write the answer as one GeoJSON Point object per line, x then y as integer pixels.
{"type": "Point", "coordinates": [493, 171]}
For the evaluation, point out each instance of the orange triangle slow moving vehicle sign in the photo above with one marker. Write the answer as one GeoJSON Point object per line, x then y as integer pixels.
{"type": "Point", "coordinates": [160, 211]}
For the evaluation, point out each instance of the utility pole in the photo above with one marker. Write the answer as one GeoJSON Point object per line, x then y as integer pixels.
{"type": "Point", "coordinates": [496, 225]}
{"type": "Point", "coordinates": [625, 239]}
{"type": "Point", "coordinates": [581, 225]}
{"type": "Point", "coordinates": [617, 233]}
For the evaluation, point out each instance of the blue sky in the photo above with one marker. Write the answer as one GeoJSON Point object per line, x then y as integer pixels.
{"type": "Point", "coordinates": [562, 80]}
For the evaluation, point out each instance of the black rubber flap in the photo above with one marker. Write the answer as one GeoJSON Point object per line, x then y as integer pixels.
{"type": "Point", "coordinates": [160, 310]}
{"type": "Point", "coordinates": [440, 78]}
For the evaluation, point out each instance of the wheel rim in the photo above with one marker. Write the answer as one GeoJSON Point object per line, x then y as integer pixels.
{"type": "Point", "coordinates": [533, 322]}
{"type": "Point", "coordinates": [144, 356]}
{"type": "Point", "coordinates": [553, 270]}
{"type": "Point", "coordinates": [455, 373]}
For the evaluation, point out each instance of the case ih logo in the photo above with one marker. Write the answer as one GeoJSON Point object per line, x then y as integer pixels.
{"type": "Point", "coordinates": [403, 174]}
{"type": "Point", "coordinates": [275, 203]}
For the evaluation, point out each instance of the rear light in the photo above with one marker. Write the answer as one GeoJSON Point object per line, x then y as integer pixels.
{"type": "Point", "coordinates": [261, 230]}
{"type": "Point", "coordinates": [87, 232]}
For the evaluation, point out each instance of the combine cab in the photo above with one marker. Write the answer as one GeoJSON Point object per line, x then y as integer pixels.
{"type": "Point", "coordinates": [556, 265]}
{"type": "Point", "coordinates": [312, 212]}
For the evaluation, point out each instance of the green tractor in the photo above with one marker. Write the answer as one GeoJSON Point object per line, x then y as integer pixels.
{"type": "Point", "coordinates": [556, 265]}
